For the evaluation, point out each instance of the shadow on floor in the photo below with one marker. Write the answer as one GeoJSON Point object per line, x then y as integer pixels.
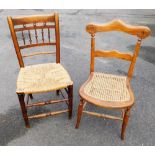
{"type": "Point", "coordinates": [147, 53]}
{"type": "Point", "coordinates": [12, 124]}
{"type": "Point", "coordinates": [124, 73]}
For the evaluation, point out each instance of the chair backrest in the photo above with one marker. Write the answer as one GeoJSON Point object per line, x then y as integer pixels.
{"type": "Point", "coordinates": [38, 25]}
{"type": "Point", "coordinates": [117, 25]}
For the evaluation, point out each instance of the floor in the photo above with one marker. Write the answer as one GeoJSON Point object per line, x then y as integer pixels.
{"type": "Point", "coordinates": [75, 53]}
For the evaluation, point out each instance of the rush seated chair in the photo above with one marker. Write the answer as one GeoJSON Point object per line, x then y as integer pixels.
{"type": "Point", "coordinates": [107, 90]}
{"type": "Point", "coordinates": [40, 78]}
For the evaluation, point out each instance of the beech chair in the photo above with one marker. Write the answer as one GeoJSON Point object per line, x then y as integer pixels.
{"type": "Point", "coordinates": [107, 90]}
{"type": "Point", "coordinates": [40, 78]}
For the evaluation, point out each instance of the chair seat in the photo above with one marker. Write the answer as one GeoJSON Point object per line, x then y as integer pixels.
{"type": "Point", "coordinates": [42, 78]}
{"type": "Point", "coordinates": [108, 91]}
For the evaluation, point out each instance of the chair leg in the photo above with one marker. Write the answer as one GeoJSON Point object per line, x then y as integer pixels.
{"type": "Point", "coordinates": [79, 114]}
{"type": "Point", "coordinates": [31, 97]}
{"type": "Point", "coordinates": [125, 122]}
{"type": "Point", "coordinates": [70, 97]}
{"type": "Point", "coordinates": [57, 92]}
{"type": "Point", "coordinates": [24, 110]}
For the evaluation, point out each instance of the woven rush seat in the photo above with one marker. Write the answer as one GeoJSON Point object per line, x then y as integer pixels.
{"type": "Point", "coordinates": [40, 31]}
{"type": "Point", "coordinates": [42, 78]}
{"type": "Point", "coordinates": [109, 90]}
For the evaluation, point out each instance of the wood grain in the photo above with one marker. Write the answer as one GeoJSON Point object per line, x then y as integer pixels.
{"type": "Point", "coordinates": [113, 54]}
{"type": "Point", "coordinates": [48, 114]}
{"type": "Point", "coordinates": [118, 25]}
{"type": "Point", "coordinates": [33, 19]}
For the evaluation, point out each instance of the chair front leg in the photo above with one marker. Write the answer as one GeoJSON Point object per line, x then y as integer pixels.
{"type": "Point", "coordinates": [24, 110]}
{"type": "Point", "coordinates": [125, 122]}
{"type": "Point", "coordinates": [79, 114]}
{"type": "Point", "coordinates": [70, 97]}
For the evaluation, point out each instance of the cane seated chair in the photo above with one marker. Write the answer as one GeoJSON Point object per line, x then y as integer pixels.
{"type": "Point", "coordinates": [107, 90]}
{"type": "Point", "coordinates": [39, 78]}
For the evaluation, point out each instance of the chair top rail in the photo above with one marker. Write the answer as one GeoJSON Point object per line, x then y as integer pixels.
{"type": "Point", "coordinates": [118, 25]}
{"type": "Point", "coordinates": [33, 19]}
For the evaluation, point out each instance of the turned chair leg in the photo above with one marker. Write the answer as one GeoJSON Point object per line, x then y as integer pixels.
{"type": "Point", "coordinates": [70, 97]}
{"type": "Point", "coordinates": [125, 122]}
{"type": "Point", "coordinates": [31, 97]}
{"type": "Point", "coordinates": [24, 110]}
{"type": "Point", "coordinates": [79, 114]}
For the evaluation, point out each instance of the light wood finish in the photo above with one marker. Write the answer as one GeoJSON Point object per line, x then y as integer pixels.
{"type": "Point", "coordinates": [36, 53]}
{"type": "Point", "coordinates": [45, 103]}
{"type": "Point", "coordinates": [133, 62]}
{"type": "Point", "coordinates": [39, 78]}
{"type": "Point", "coordinates": [92, 61]}
{"type": "Point", "coordinates": [106, 90]}
{"type": "Point", "coordinates": [15, 42]}
{"type": "Point", "coordinates": [48, 114]}
{"type": "Point", "coordinates": [118, 25]}
{"type": "Point", "coordinates": [113, 54]}
{"type": "Point", "coordinates": [79, 114]}
{"type": "Point", "coordinates": [125, 122]}
{"type": "Point", "coordinates": [102, 115]}
{"type": "Point", "coordinates": [34, 23]}
{"type": "Point", "coordinates": [57, 36]}
{"type": "Point", "coordinates": [35, 27]}
{"type": "Point", "coordinates": [38, 44]}
{"type": "Point", "coordinates": [33, 19]}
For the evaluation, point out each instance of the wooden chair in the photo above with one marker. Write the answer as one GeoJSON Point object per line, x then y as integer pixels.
{"type": "Point", "coordinates": [106, 90]}
{"type": "Point", "coordinates": [39, 78]}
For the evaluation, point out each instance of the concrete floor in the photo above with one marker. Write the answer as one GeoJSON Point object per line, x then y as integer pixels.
{"type": "Point", "coordinates": [75, 50]}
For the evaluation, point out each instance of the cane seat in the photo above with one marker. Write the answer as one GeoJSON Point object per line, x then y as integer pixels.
{"type": "Point", "coordinates": [107, 90]}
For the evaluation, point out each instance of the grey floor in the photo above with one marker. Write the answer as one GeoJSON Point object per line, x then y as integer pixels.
{"type": "Point", "coordinates": [75, 52]}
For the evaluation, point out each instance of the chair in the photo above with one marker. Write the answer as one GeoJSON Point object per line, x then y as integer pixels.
{"type": "Point", "coordinates": [107, 90]}
{"type": "Point", "coordinates": [40, 78]}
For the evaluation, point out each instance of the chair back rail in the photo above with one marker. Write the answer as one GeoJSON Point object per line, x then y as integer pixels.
{"type": "Point", "coordinates": [33, 19]}
{"type": "Point", "coordinates": [113, 53]}
{"type": "Point", "coordinates": [37, 25]}
{"type": "Point", "coordinates": [117, 25]}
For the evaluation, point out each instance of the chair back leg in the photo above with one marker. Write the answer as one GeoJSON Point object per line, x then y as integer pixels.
{"type": "Point", "coordinates": [31, 96]}
{"type": "Point", "coordinates": [125, 122]}
{"type": "Point", "coordinates": [70, 97]}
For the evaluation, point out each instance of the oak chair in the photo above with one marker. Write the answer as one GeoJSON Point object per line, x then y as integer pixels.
{"type": "Point", "coordinates": [107, 90]}
{"type": "Point", "coordinates": [40, 78]}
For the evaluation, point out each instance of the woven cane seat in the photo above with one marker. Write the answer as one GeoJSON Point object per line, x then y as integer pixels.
{"type": "Point", "coordinates": [42, 78]}
{"type": "Point", "coordinates": [107, 90]}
